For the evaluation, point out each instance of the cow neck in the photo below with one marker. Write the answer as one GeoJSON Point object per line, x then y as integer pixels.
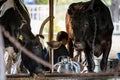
{"type": "Point", "coordinates": [23, 21]}
{"type": "Point", "coordinates": [94, 36]}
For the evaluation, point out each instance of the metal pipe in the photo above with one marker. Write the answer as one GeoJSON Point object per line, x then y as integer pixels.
{"type": "Point", "coordinates": [51, 32]}
{"type": "Point", "coordinates": [52, 60]}
{"type": "Point", "coordinates": [43, 24]}
{"type": "Point", "coordinates": [51, 15]}
{"type": "Point", "coordinates": [2, 63]}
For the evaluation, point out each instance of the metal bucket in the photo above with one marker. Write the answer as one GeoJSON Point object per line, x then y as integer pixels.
{"type": "Point", "coordinates": [97, 65]}
{"type": "Point", "coordinates": [111, 64]}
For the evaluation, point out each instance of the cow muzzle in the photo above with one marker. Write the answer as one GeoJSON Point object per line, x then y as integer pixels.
{"type": "Point", "coordinates": [79, 46]}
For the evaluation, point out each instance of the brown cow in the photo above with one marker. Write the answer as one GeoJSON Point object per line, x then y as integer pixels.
{"type": "Point", "coordinates": [90, 29]}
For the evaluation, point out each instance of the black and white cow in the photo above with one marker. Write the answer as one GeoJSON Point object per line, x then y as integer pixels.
{"type": "Point", "coordinates": [14, 17]}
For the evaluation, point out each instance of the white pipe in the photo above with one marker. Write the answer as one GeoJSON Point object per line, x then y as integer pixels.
{"type": "Point", "coordinates": [2, 62]}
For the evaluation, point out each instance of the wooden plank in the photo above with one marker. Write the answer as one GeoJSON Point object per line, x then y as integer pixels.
{"type": "Point", "coordinates": [58, 75]}
{"type": "Point", "coordinates": [100, 74]}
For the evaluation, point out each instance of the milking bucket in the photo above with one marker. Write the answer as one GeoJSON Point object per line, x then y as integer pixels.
{"type": "Point", "coordinates": [111, 64]}
{"type": "Point", "coordinates": [97, 65]}
{"type": "Point", "coordinates": [67, 66]}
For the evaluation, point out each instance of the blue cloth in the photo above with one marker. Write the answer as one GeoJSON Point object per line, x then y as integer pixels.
{"type": "Point", "coordinates": [118, 55]}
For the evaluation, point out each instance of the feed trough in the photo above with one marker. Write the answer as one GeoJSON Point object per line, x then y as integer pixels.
{"type": "Point", "coordinates": [56, 76]}
{"type": "Point", "coordinates": [110, 74]}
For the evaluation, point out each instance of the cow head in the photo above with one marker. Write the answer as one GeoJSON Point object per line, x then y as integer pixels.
{"type": "Point", "coordinates": [82, 22]}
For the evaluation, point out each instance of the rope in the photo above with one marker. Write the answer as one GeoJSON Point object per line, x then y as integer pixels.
{"type": "Point", "coordinates": [95, 32]}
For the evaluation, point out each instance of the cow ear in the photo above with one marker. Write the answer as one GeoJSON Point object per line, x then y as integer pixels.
{"type": "Point", "coordinates": [71, 8]}
{"type": "Point", "coordinates": [91, 6]}
{"type": "Point", "coordinates": [93, 10]}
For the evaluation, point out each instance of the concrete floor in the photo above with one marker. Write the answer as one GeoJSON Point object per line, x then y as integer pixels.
{"type": "Point", "coordinates": [115, 46]}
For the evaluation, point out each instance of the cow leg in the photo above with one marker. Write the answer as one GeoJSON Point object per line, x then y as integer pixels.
{"type": "Point", "coordinates": [79, 56]}
{"type": "Point", "coordinates": [70, 47]}
{"type": "Point", "coordinates": [103, 64]}
{"type": "Point", "coordinates": [89, 58]}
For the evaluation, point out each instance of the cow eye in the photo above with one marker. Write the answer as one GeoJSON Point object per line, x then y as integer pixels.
{"type": "Point", "coordinates": [86, 24]}
{"type": "Point", "coordinates": [35, 47]}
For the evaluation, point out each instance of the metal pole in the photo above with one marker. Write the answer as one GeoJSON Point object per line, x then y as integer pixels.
{"type": "Point", "coordinates": [52, 60]}
{"type": "Point", "coordinates": [2, 63]}
{"type": "Point", "coordinates": [51, 15]}
{"type": "Point", "coordinates": [51, 32]}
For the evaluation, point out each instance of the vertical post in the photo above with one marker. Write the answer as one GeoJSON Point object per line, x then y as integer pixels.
{"type": "Point", "coordinates": [2, 63]}
{"type": "Point", "coordinates": [51, 16]}
{"type": "Point", "coordinates": [51, 32]}
{"type": "Point", "coordinates": [52, 60]}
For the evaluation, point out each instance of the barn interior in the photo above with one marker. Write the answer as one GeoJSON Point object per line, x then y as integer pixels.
{"type": "Point", "coordinates": [48, 18]}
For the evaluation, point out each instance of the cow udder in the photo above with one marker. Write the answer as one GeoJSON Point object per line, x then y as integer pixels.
{"type": "Point", "coordinates": [97, 51]}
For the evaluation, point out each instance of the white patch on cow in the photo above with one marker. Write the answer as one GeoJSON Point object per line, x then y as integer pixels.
{"type": "Point", "coordinates": [15, 67]}
{"type": "Point", "coordinates": [9, 55]}
{"type": "Point", "coordinates": [12, 61]}
{"type": "Point", "coordinates": [7, 5]}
